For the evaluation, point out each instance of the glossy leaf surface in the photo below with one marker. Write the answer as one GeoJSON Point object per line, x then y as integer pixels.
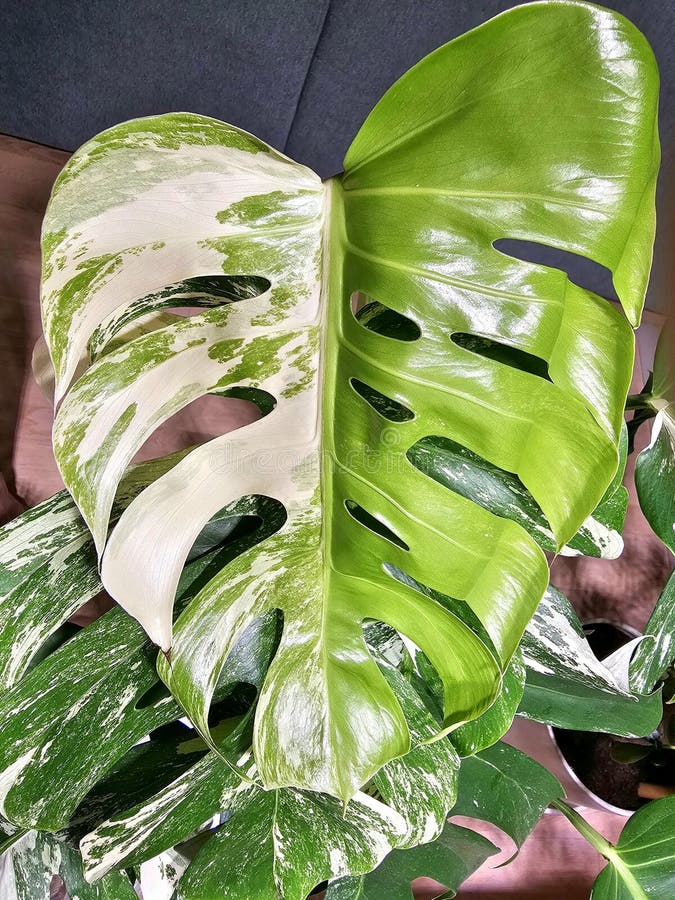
{"type": "Point", "coordinates": [655, 477]}
{"type": "Point", "coordinates": [655, 465]}
{"type": "Point", "coordinates": [640, 864]}
{"type": "Point", "coordinates": [182, 210]}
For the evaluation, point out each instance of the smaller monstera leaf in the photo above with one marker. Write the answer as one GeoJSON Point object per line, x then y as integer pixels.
{"type": "Point", "coordinates": [568, 687]}
{"type": "Point", "coordinates": [414, 794]}
{"type": "Point", "coordinates": [640, 864]}
{"type": "Point", "coordinates": [286, 842]}
{"type": "Point", "coordinates": [450, 859]}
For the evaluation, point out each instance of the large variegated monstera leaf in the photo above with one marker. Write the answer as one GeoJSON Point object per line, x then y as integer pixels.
{"type": "Point", "coordinates": [539, 125]}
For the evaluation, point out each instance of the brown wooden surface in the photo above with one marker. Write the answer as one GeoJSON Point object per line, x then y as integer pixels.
{"type": "Point", "coordinates": [554, 862]}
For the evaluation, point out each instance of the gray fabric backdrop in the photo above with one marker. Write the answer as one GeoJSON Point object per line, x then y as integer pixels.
{"type": "Point", "coordinates": [302, 75]}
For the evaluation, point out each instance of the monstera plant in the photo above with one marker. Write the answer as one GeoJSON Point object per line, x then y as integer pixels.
{"type": "Point", "coordinates": [319, 631]}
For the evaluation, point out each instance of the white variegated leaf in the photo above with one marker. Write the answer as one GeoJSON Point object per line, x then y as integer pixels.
{"type": "Point", "coordinates": [415, 792]}
{"type": "Point", "coordinates": [569, 687]}
{"type": "Point", "coordinates": [29, 868]}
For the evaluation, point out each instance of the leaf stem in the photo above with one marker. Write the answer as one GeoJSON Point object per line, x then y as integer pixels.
{"type": "Point", "coordinates": [12, 839]}
{"type": "Point", "coordinates": [603, 846]}
{"type": "Point", "coordinates": [639, 401]}
{"type": "Point", "coordinates": [594, 838]}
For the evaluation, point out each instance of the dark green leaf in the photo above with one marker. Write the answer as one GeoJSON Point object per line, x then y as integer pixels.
{"type": "Point", "coordinates": [450, 859]}
{"type": "Point", "coordinates": [655, 477]}
{"type": "Point", "coordinates": [655, 466]}
{"type": "Point", "coordinates": [642, 864]}
{"type": "Point", "coordinates": [504, 786]}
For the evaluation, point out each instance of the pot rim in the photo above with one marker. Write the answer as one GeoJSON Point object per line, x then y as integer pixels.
{"type": "Point", "coordinates": [596, 800]}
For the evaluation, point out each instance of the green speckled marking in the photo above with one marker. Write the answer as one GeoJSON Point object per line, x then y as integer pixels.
{"type": "Point", "coordinates": [50, 244]}
{"type": "Point", "coordinates": [75, 472]}
{"type": "Point", "coordinates": [168, 132]}
{"type": "Point", "coordinates": [268, 210]}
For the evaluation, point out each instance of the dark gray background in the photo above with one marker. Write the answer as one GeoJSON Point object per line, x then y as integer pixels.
{"type": "Point", "coordinates": [301, 75]}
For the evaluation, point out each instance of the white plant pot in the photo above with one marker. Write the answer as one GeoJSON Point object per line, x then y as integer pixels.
{"type": "Point", "coordinates": [538, 741]}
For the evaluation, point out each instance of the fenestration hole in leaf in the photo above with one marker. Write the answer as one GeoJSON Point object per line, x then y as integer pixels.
{"type": "Point", "coordinates": [363, 517]}
{"type": "Point", "coordinates": [230, 532]}
{"type": "Point", "coordinates": [503, 353]}
{"type": "Point", "coordinates": [584, 272]}
{"type": "Point", "coordinates": [459, 608]}
{"type": "Point", "coordinates": [57, 888]}
{"type": "Point", "coordinates": [387, 407]}
{"type": "Point", "coordinates": [203, 419]}
{"type": "Point", "coordinates": [237, 702]}
{"type": "Point", "coordinates": [262, 399]}
{"type": "Point", "coordinates": [183, 298]}
{"type": "Point", "coordinates": [192, 296]}
{"type": "Point", "coordinates": [381, 319]}
{"type": "Point", "coordinates": [472, 476]}
{"type": "Point", "coordinates": [221, 530]}
{"type": "Point", "coordinates": [55, 640]}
